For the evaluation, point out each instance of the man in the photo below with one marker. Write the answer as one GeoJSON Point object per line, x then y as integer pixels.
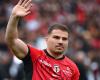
{"type": "Point", "coordinates": [48, 64]}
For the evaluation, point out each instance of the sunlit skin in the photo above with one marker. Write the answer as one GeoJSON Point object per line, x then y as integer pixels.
{"type": "Point", "coordinates": [57, 43]}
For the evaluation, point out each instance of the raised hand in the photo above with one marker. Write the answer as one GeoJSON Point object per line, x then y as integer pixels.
{"type": "Point", "coordinates": [22, 8]}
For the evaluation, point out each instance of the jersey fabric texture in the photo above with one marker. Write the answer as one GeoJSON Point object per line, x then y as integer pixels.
{"type": "Point", "coordinates": [39, 65]}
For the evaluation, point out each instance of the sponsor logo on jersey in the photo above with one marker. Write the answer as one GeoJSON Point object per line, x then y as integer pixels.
{"type": "Point", "coordinates": [67, 72]}
{"type": "Point", "coordinates": [45, 63]}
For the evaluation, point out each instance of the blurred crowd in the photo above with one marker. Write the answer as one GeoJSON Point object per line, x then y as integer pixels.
{"type": "Point", "coordinates": [81, 16]}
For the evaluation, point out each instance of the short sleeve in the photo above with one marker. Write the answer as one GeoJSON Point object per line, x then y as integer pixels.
{"type": "Point", "coordinates": [28, 66]}
{"type": "Point", "coordinates": [34, 53]}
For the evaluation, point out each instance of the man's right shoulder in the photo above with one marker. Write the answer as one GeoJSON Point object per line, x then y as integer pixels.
{"type": "Point", "coordinates": [34, 52]}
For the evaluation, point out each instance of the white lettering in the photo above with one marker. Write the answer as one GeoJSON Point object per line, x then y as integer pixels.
{"type": "Point", "coordinates": [46, 63]}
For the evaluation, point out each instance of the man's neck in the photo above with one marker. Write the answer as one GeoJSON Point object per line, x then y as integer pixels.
{"type": "Point", "coordinates": [54, 55]}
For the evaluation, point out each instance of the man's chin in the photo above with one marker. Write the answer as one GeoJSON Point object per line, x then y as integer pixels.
{"type": "Point", "coordinates": [59, 51]}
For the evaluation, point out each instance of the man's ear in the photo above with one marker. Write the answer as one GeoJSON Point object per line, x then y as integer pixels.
{"type": "Point", "coordinates": [46, 38]}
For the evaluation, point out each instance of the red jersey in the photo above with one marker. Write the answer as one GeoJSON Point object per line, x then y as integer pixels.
{"type": "Point", "coordinates": [46, 67]}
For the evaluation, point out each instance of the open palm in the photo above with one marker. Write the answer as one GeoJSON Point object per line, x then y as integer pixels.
{"type": "Point", "coordinates": [22, 8]}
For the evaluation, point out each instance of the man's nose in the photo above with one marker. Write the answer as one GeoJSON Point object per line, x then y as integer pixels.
{"type": "Point", "coordinates": [60, 41]}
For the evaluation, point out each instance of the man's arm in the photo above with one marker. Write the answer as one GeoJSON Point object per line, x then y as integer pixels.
{"type": "Point", "coordinates": [18, 47]}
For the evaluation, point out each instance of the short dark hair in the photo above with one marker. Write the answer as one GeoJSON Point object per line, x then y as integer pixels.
{"type": "Point", "coordinates": [58, 26]}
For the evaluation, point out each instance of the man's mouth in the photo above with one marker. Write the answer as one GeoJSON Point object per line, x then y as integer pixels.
{"type": "Point", "coordinates": [60, 47]}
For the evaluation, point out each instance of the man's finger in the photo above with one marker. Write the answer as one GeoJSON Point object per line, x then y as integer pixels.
{"type": "Point", "coordinates": [24, 2]}
{"type": "Point", "coordinates": [28, 13]}
{"type": "Point", "coordinates": [20, 2]}
{"type": "Point", "coordinates": [28, 7]}
{"type": "Point", "coordinates": [28, 3]}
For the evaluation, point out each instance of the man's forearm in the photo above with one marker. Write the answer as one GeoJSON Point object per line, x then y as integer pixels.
{"type": "Point", "coordinates": [11, 31]}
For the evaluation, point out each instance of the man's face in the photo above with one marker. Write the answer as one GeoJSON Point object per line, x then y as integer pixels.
{"type": "Point", "coordinates": [57, 41]}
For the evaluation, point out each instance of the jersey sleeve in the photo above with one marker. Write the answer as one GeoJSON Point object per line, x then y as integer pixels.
{"type": "Point", "coordinates": [34, 53]}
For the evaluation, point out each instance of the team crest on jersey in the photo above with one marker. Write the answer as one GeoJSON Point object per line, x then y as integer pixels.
{"type": "Point", "coordinates": [56, 68]}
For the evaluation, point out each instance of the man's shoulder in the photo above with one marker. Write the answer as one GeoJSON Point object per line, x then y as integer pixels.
{"type": "Point", "coordinates": [34, 52]}
{"type": "Point", "coordinates": [72, 65]}
{"type": "Point", "coordinates": [70, 62]}
{"type": "Point", "coordinates": [34, 49]}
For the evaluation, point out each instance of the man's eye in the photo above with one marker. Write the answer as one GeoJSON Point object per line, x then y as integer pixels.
{"type": "Point", "coordinates": [65, 39]}
{"type": "Point", "coordinates": [56, 37]}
